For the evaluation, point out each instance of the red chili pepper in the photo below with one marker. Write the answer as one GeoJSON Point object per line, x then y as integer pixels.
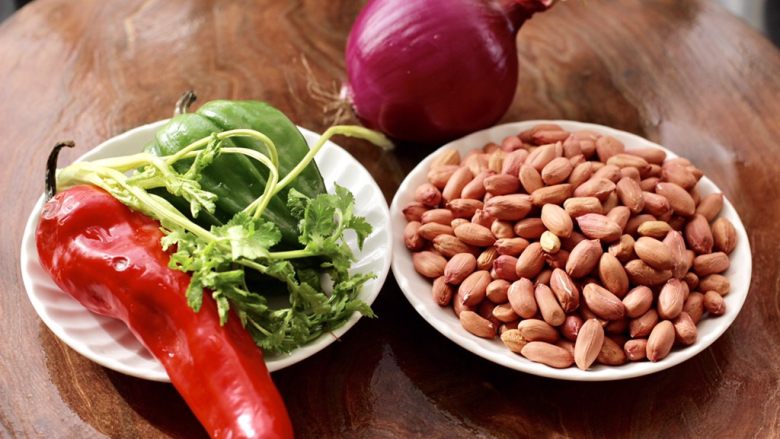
{"type": "Point", "coordinates": [109, 258]}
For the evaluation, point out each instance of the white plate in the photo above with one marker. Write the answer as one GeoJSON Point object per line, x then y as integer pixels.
{"type": "Point", "coordinates": [110, 343]}
{"type": "Point", "coordinates": [418, 289]}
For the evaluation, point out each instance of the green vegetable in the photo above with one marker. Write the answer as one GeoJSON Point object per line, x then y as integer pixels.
{"type": "Point", "coordinates": [220, 257]}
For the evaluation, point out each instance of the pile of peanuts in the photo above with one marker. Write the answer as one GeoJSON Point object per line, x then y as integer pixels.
{"type": "Point", "coordinates": [570, 247]}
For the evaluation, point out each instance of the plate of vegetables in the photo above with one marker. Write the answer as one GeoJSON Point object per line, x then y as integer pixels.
{"type": "Point", "coordinates": [243, 205]}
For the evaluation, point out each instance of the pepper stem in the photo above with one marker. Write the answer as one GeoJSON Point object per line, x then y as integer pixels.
{"type": "Point", "coordinates": [51, 167]}
{"type": "Point", "coordinates": [184, 102]}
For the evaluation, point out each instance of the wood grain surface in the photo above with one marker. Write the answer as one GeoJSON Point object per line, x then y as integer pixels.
{"type": "Point", "coordinates": [685, 74]}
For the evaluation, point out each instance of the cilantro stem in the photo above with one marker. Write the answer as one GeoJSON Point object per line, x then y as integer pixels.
{"type": "Point", "coordinates": [291, 254]}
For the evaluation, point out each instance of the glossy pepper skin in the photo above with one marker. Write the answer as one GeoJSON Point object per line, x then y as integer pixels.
{"type": "Point", "coordinates": [109, 258]}
{"type": "Point", "coordinates": [238, 180]}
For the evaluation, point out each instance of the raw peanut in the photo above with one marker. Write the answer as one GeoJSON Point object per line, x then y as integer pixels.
{"type": "Point", "coordinates": [548, 136]}
{"type": "Point", "coordinates": [513, 161]}
{"type": "Point", "coordinates": [548, 354]}
{"type": "Point", "coordinates": [441, 216]}
{"type": "Point", "coordinates": [620, 215]}
{"type": "Point", "coordinates": [475, 189]}
{"type": "Point", "coordinates": [491, 148]}
{"type": "Point", "coordinates": [685, 329]}
{"type": "Point", "coordinates": [639, 273]}
{"type": "Point", "coordinates": [543, 277]}
{"type": "Point", "coordinates": [638, 301]}
{"type": "Point", "coordinates": [521, 298]}
{"type": "Point", "coordinates": [557, 220]}
{"type": "Point", "coordinates": [678, 174]}
{"type": "Point", "coordinates": [630, 194]}
{"type": "Point", "coordinates": [611, 202]}
{"type": "Point", "coordinates": [464, 207]}
{"type": "Point", "coordinates": [629, 161]}
{"type": "Point", "coordinates": [458, 307]}
{"type": "Point", "coordinates": [713, 303]}
{"type": "Point", "coordinates": [636, 349]}
{"type": "Point", "coordinates": [442, 293]}
{"type": "Point", "coordinates": [694, 306]}
{"type": "Point", "coordinates": [623, 250]}
{"type": "Point", "coordinates": [587, 314]}
{"type": "Point", "coordinates": [602, 302]}
{"type": "Point", "coordinates": [576, 160]}
{"type": "Point", "coordinates": [676, 245]}
{"type": "Point", "coordinates": [512, 143]}
{"type": "Point", "coordinates": [648, 185]}
{"type": "Point", "coordinates": [541, 156]}
{"type": "Point", "coordinates": [567, 345]}
{"type": "Point", "coordinates": [584, 258]}
{"type": "Point", "coordinates": [486, 258]}
{"type": "Point", "coordinates": [504, 267]}
{"type": "Point", "coordinates": [429, 264]}
{"type": "Point", "coordinates": [556, 171]}
{"type": "Point", "coordinates": [572, 241]}
{"type": "Point", "coordinates": [724, 235]}
{"type": "Point", "coordinates": [608, 146]}
{"type": "Point", "coordinates": [496, 291]}
{"type": "Point", "coordinates": [485, 310]}
{"type": "Point", "coordinates": [699, 235]}
{"type": "Point", "coordinates": [551, 311]}
{"type": "Point", "coordinates": [412, 240]}
{"type": "Point", "coordinates": [710, 206]}
{"type": "Point", "coordinates": [439, 176]}
{"type": "Point", "coordinates": [679, 198]}
{"type": "Point", "coordinates": [511, 246]}
{"type": "Point", "coordinates": [496, 160]}
{"type": "Point", "coordinates": [715, 282]}
{"type": "Point", "coordinates": [610, 172]}
{"type": "Point", "coordinates": [456, 183]}
{"type": "Point", "coordinates": [571, 327]}
{"type": "Point", "coordinates": [656, 205]}
{"type": "Point", "coordinates": [414, 210]}
{"type": "Point", "coordinates": [450, 246]}
{"type": "Point", "coordinates": [459, 267]}
{"type": "Point", "coordinates": [475, 163]}
{"type": "Point", "coordinates": [578, 206]}
{"type": "Point", "coordinates": [612, 275]}
{"type": "Point", "coordinates": [513, 340]}
{"type": "Point", "coordinates": [483, 218]}
{"type": "Point", "coordinates": [581, 173]}
{"type": "Point", "coordinates": [692, 280]}
{"type": "Point", "coordinates": [473, 289]}
{"type": "Point", "coordinates": [531, 261]}
{"type": "Point", "coordinates": [632, 226]}
{"type": "Point", "coordinates": [501, 229]}
{"type": "Point", "coordinates": [597, 226]}
{"type": "Point", "coordinates": [660, 341]}
{"type": "Point", "coordinates": [504, 313]}
{"type": "Point", "coordinates": [571, 147]}
{"type": "Point", "coordinates": [689, 257]}
{"type": "Point", "coordinates": [530, 178]}
{"type": "Point", "coordinates": [475, 324]}
{"type": "Point", "coordinates": [712, 263]}
{"type": "Point", "coordinates": [611, 353]}
{"type": "Point", "coordinates": [651, 155]}
{"type": "Point", "coordinates": [501, 184]}
{"type": "Point", "coordinates": [588, 344]}
{"type": "Point", "coordinates": [430, 231]}
{"type": "Point", "coordinates": [527, 135]}
{"type": "Point", "coordinates": [550, 242]}
{"type": "Point", "coordinates": [565, 290]}
{"type": "Point", "coordinates": [457, 222]}
{"type": "Point", "coordinates": [508, 207]}
{"type": "Point", "coordinates": [671, 299]}
{"type": "Point", "coordinates": [530, 228]}
{"type": "Point", "coordinates": [654, 229]}
{"type": "Point", "coordinates": [654, 253]}
{"type": "Point", "coordinates": [555, 194]}
{"type": "Point", "coordinates": [537, 330]}
{"type": "Point", "coordinates": [474, 234]}
{"type": "Point", "coordinates": [643, 325]}
{"type": "Point", "coordinates": [557, 259]}
{"type": "Point", "coordinates": [428, 195]}
{"type": "Point", "coordinates": [595, 187]}
{"type": "Point", "coordinates": [632, 173]}
{"type": "Point", "coordinates": [446, 157]}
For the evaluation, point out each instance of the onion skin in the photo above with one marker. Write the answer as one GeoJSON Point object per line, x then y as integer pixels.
{"type": "Point", "coordinates": [427, 71]}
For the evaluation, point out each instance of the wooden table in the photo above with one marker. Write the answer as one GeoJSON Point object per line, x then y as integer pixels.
{"type": "Point", "coordinates": [685, 74]}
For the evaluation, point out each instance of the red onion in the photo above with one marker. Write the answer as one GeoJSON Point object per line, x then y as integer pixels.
{"type": "Point", "coordinates": [428, 71]}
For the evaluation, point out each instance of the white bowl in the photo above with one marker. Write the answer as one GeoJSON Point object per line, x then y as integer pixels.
{"type": "Point", "coordinates": [110, 343]}
{"type": "Point", "coordinates": [418, 289]}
